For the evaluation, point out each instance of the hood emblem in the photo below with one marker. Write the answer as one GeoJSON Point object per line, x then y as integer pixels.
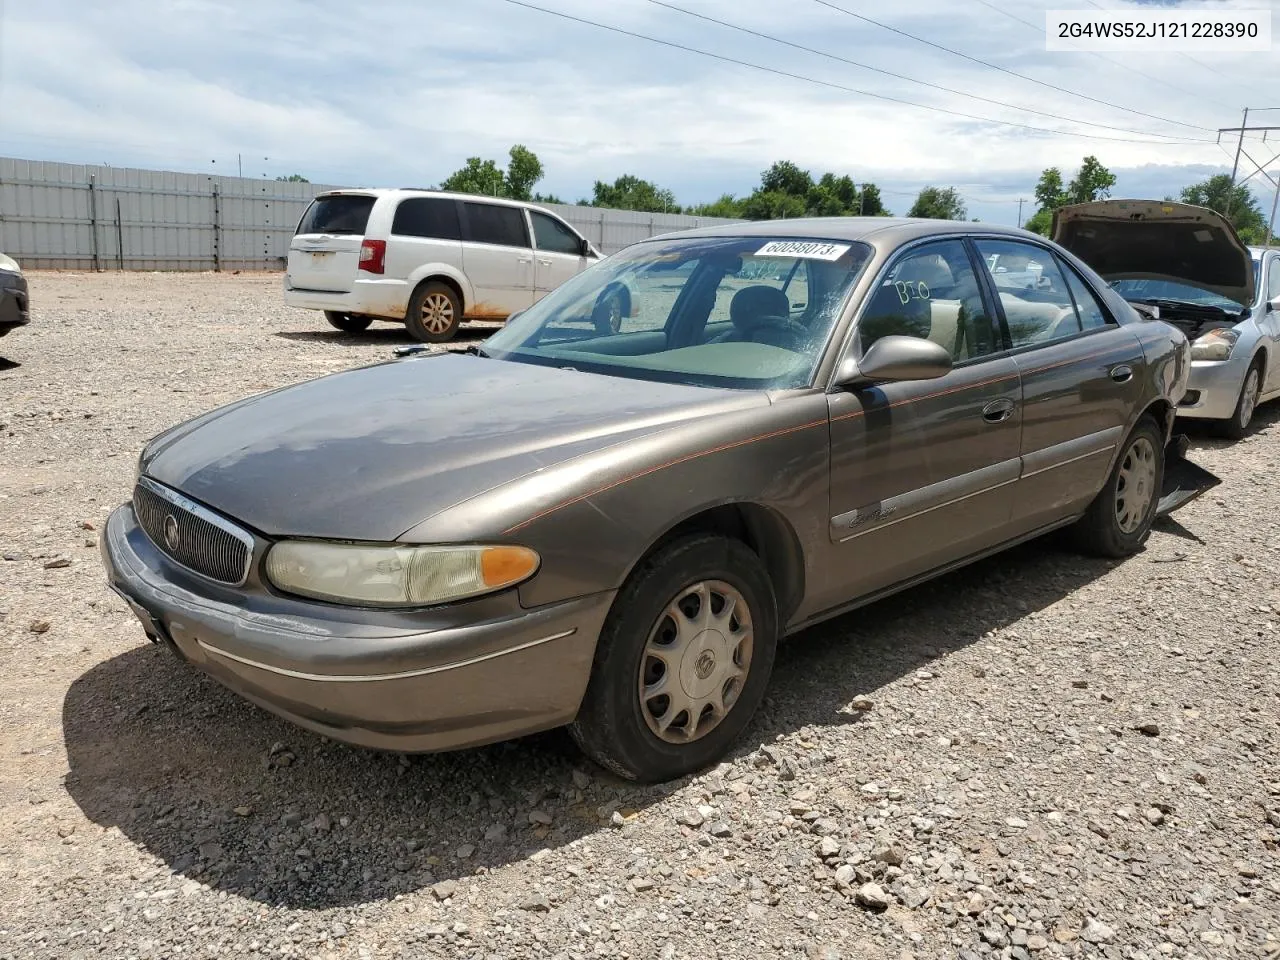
{"type": "Point", "coordinates": [171, 536]}
{"type": "Point", "coordinates": [705, 663]}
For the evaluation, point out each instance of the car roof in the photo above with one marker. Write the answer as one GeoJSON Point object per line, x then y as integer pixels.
{"type": "Point", "coordinates": [881, 232]}
{"type": "Point", "coordinates": [423, 192]}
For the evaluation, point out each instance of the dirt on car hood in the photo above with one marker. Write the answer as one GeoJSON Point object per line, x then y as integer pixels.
{"type": "Point", "coordinates": [1158, 240]}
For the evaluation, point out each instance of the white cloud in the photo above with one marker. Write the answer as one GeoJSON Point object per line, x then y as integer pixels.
{"type": "Point", "coordinates": [403, 91]}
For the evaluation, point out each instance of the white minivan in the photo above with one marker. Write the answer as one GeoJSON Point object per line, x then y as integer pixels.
{"type": "Point", "coordinates": [427, 259]}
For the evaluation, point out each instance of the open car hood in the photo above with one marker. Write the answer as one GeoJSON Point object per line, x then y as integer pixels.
{"type": "Point", "coordinates": [1158, 240]}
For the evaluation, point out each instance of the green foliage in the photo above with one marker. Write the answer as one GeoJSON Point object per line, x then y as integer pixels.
{"type": "Point", "coordinates": [484, 176]}
{"type": "Point", "coordinates": [727, 206]}
{"type": "Point", "coordinates": [786, 191]}
{"type": "Point", "coordinates": [1050, 194]}
{"type": "Point", "coordinates": [1092, 181]}
{"type": "Point", "coordinates": [1041, 222]}
{"type": "Point", "coordinates": [939, 203]}
{"type": "Point", "coordinates": [1218, 194]}
{"type": "Point", "coordinates": [293, 178]}
{"type": "Point", "coordinates": [632, 193]}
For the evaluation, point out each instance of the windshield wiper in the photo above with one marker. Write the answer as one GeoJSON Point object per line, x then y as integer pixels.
{"type": "Point", "coordinates": [1178, 304]}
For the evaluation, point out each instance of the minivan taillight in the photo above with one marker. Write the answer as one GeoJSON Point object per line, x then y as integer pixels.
{"type": "Point", "coordinates": [373, 256]}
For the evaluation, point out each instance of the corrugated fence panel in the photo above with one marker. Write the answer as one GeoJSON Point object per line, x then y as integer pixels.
{"type": "Point", "coordinates": [78, 217]}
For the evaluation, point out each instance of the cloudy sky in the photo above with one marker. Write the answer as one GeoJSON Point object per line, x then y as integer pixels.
{"type": "Point", "coordinates": [401, 92]}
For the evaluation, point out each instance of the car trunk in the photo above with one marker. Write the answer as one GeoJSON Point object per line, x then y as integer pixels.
{"type": "Point", "coordinates": [325, 252]}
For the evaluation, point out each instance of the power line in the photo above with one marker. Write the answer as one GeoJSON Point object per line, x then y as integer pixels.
{"type": "Point", "coordinates": [837, 86]}
{"type": "Point", "coordinates": [1184, 56]}
{"type": "Point", "coordinates": [1005, 70]}
{"type": "Point", "coordinates": [898, 76]}
{"type": "Point", "coordinates": [1039, 28]}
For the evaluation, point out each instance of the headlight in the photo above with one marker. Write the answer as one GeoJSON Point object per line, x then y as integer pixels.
{"type": "Point", "coordinates": [1215, 345]}
{"type": "Point", "coordinates": [395, 576]}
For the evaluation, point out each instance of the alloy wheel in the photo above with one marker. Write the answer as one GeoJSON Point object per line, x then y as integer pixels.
{"type": "Point", "coordinates": [437, 313]}
{"type": "Point", "coordinates": [1249, 397]}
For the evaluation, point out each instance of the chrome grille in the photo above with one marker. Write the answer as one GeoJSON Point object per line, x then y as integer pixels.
{"type": "Point", "coordinates": [193, 536]}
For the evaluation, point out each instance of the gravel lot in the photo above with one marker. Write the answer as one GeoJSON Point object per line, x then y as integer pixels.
{"type": "Point", "coordinates": [1040, 756]}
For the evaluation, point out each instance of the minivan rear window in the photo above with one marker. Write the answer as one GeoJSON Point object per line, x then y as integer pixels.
{"type": "Point", "coordinates": [342, 213]}
{"type": "Point", "coordinates": [431, 217]}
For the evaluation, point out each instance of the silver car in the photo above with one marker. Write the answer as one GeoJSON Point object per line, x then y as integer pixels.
{"type": "Point", "coordinates": [1186, 266]}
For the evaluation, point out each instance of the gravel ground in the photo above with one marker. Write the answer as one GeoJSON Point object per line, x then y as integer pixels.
{"type": "Point", "coordinates": [1039, 756]}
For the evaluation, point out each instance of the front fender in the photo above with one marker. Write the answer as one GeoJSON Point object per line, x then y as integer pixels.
{"type": "Point", "coordinates": [592, 518]}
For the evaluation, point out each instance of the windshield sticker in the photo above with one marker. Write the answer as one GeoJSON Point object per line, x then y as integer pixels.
{"type": "Point", "coordinates": [808, 249]}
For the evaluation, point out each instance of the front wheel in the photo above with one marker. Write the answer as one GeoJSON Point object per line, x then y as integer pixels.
{"type": "Point", "coordinates": [348, 322]}
{"type": "Point", "coordinates": [1119, 520]}
{"type": "Point", "coordinates": [1236, 427]}
{"type": "Point", "coordinates": [434, 313]}
{"type": "Point", "coordinates": [682, 661]}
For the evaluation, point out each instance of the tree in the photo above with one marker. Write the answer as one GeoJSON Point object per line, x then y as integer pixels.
{"type": "Point", "coordinates": [773, 205]}
{"type": "Point", "coordinates": [1049, 192]}
{"type": "Point", "coordinates": [1092, 181]}
{"type": "Point", "coordinates": [484, 176]}
{"type": "Point", "coordinates": [939, 203]}
{"type": "Point", "coordinates": [547, 198]}
{"type": "Point", "coordinates": [727, 206]}
{"type": "Point", "coordinates": [870, 204]}
{"type": "Point", "coordinates": [1218, 194]}
{"type": "Point", "coordinates": [632, 193]}
{"type": "Point", "coordinates": [523, 170]}
{"type": "Point", "coordinates": [1041, 222]}
{"type": "Point", "coordinates": [785, 177]}
{"type": "Point", "coordinates": [293, 178]}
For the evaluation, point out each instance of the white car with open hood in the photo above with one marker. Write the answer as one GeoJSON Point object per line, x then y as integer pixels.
{"type": "Point", "coordinates": [1187, 266]}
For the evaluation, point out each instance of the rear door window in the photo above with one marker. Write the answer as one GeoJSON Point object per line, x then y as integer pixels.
{"type": "Point", "coordinates": [553, 236]}
{"type": "Point", "coordinates": [339, 214]}
{"type": "Point", "coordinates": [433, 218]}
{"type": "Point", "coordinates": [501, 226]}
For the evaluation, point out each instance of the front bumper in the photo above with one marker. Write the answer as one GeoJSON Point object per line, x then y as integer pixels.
{"type": "Point", "coordinates": [417, 681]}
{"type": "Point", "coordinates": [387, 299]}
{"type": "Point", "coordinates": [1214, 388]}
{"type": "Point", "coordinates": [15, 308]}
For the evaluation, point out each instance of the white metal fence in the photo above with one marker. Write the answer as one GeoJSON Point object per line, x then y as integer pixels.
{"type": "Point", "coordinates": [80, 217]}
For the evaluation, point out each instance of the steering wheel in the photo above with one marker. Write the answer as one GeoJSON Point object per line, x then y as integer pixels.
{"type": "Point", "coordinates": [778, 332]}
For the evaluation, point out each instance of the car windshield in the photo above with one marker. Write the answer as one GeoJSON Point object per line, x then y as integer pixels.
{"type": "Point", "coordinates": [1169, 290]}
{"type": "Point", "coordinates": [744, 312]}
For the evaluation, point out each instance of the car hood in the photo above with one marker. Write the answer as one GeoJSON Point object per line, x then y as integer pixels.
{"type": "Point", "coordinates": [1158, 240]}
{"type": "Point", "coordinates": [369, 453]}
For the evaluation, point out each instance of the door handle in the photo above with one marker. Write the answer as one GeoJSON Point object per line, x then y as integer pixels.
{"type": "Point", "coordinates": [524, 260]}
{"type": "Point", "coordinates": [1122, 373]}
{"type": "Point", "coordinates": [545, 263]}
{"type": "Point", "coordinates": [998, 411]}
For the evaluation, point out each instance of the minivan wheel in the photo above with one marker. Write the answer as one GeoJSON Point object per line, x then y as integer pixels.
{"type": "Point", "coordinates": [348, 322]}
{"type": "Point", "coordinates": [1119, 520]}
{"type": "Point", "coordinates": [434, 313]}
{"type": "Point", "coordinates": [1238, 426]}
{"type": "Point", "coordinates": [682, 661]}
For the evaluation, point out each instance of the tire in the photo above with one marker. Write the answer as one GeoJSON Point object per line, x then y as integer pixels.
{"type": "Point", "coordinates": [1238, 426]}
{"type": "Point", "coordinates": [607, 315]}
{"type": "Point", "coordinates": [434, 313]}
{"type": "Point", "coordinates": [1115, 525]}
{"type": "Point", "coordinates": [348, 322]}
{"type": "Point", "coordinates": [618, 725]}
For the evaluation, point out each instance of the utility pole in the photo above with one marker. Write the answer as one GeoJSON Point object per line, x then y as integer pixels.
{"type": "Point", "coordinates": [1019, 213]}
{"type": "Point", "coordinates": [239, 166]}
{"type": "Point", "coordinates": [1258, 168]}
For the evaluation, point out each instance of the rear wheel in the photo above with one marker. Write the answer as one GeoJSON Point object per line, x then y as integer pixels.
{"type": "Point", "coordinates": [1246, 404]}
{"type": "Point", "coordinates": [435, 311]}
{"type": "Point", "coordinates": [1119, 520]}
{"type": "Point", "coordinates": [682, 662]}
{"type": "Point", "coordinates": [348, 322]}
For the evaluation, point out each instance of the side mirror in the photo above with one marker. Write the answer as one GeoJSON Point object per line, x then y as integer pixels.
{"type": "Point", "coordinates": [586, 248]}
{"type": "Point", "coordinates": [896, 358]}
{"type": "Point", "coordinates": [1273, 306]}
